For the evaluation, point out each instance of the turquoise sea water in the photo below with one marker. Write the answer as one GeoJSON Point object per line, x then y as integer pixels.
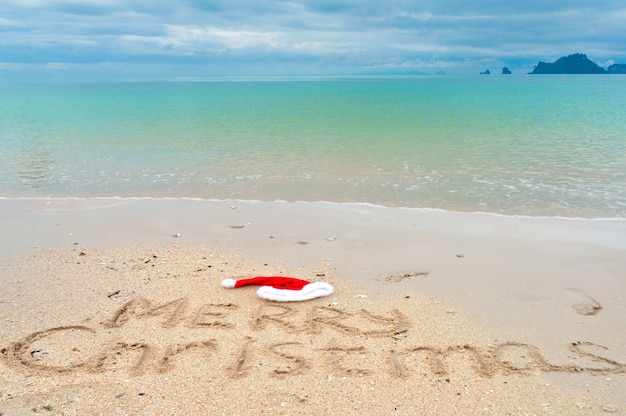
{"type": "Point", "coordinates": [515, 145]}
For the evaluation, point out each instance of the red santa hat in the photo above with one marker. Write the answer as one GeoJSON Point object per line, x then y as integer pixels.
{"type": "Point", "coordinates": [283, 289]}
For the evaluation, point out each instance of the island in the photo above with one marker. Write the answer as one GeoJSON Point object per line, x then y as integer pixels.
{"type": "Point", "coordinates": [577, 63]}
{"type": "Point", "coordinates": [616, 69]}
{"type": "Point", "coordinates": [487, 72]}
{"type": "Point", "coordinates": [506, 71]}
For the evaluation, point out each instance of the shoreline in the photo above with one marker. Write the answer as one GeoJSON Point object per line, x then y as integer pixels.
{"type": "Point", "coordinates": [538, 304]}
{"type": "Point", "coordinates": [320, 202]}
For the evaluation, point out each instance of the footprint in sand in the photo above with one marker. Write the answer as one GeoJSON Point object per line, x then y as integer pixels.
{"type": "Point", "coordinates": [582, 303]}
{"type": "Point", "coordinates": [395, 278]}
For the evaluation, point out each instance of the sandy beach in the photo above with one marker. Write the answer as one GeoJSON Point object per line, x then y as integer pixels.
{"type": "Point", "coordinates": [115, 307]}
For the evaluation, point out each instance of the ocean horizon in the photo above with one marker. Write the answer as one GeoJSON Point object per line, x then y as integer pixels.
{"type": "Point", "coordinates": [538, 146]}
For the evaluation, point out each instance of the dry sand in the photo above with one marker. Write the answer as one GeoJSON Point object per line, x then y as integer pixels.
{"type": "Point", "coordinates": [115, 307]}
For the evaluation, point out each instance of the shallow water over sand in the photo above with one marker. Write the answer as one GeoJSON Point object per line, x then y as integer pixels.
{"type": "Point", "coordinates": [538, 145]}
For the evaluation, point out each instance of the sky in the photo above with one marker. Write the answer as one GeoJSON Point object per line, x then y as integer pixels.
{"type": "Point", "coordinates": [152, 38]}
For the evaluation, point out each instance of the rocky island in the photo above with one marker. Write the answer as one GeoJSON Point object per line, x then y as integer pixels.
{"type": "Point", "coordinates": [617, 69]}
{"type": "Point", "coordinates": [577, 63]}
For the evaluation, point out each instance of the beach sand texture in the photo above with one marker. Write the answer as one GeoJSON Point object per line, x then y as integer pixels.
{"type": "Point", "coordinates": [116, 307]}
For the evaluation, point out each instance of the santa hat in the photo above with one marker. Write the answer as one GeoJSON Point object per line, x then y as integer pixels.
{"type": "Point", "coordinates": [283, 289]}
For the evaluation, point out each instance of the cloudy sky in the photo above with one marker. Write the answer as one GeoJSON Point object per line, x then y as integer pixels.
{"type": "Point", "coordinates": [260, 37]}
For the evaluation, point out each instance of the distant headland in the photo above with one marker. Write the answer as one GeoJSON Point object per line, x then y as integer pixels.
{"type": "Point", "coordinates": [577, 63]}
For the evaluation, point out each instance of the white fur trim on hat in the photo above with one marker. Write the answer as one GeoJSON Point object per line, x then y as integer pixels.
{"type": "Point", "coordinates": [310, 291]}
{"type": "Point", "coordinates": [228, 283]}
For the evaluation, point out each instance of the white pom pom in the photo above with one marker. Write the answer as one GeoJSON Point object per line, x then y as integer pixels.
{"type": "Point", "coordinates": [228, 283]}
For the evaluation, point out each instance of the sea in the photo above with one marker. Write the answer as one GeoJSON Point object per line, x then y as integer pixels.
{"type": "Point", "coordinates": [519, 145]}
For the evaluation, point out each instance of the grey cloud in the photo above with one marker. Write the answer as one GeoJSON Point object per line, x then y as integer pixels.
{"type": "Point", "coordinates": [351, 33]}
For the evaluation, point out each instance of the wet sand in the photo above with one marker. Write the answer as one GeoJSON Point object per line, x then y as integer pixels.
{"type": "Point", "coordinates": [116, 307]}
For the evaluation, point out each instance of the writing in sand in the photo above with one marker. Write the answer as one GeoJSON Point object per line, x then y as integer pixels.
{"type": "Point", "coordinates": [355, 344]}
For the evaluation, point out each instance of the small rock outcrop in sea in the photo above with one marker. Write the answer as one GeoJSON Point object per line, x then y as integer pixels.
{"type": "Point", "coordinates": [506, 71]}
{"type": "Point", "coordinates": [487, 72]}
{"type": "Point", "coordinates": [577, 63]}
{"type": "Point", "coordinates": [617, 69]}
